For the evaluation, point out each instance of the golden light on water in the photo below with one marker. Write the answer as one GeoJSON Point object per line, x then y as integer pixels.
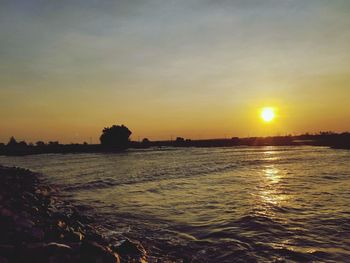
{"type": "Point", "coordinates": [272, 174]}
{"type": "Point", "coordinates": [270, 191]}
{"type": "Point", "coordinates": [268, 114]}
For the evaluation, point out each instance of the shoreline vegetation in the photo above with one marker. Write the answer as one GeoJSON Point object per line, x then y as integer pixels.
{"type": "Point", "coordinates": [37, 226]}
{"type": "Point", "coordinates": [121, 142]}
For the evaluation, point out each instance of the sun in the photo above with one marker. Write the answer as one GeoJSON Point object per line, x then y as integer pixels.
{"type": "Point", "coordinates": [268, 114]}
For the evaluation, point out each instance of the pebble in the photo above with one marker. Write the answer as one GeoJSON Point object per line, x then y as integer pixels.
{"type": "Point", "coordinates": [132, 251]}
{"type": "Point", "coordinates": [24, 222]}
{"type": "Point", "coordinates": [97, 252]}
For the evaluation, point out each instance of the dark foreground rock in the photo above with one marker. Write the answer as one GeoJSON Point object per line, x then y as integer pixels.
{"type": "Point", "coordinates": [36, 226]}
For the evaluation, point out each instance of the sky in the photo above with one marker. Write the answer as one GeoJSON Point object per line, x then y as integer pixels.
{"type": "Point", "coordinates": [191, 68]}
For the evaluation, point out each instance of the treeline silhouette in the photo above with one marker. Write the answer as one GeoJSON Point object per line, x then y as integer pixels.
{"type": "Point", "coordinates": [117, 138]}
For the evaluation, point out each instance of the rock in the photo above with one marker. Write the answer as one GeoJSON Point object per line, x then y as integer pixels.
{"type": "Point", "coordinates": [61, 224]}
{"type": "Point", "coordinates": [41, 252]}
{"type": "Point", "coordinates": [6, 212]}
{"type": "Point", "coordinates": [58, 247]}
{"type": "Point", "coordinates": [94, 252]}
{"type": "Point", "coordinates": [78, 235]}
{"type": "Point", "coordinates": [60, 259]}
{"type": "Point", "coordinates": [7, 250]}
{"type": "Point", "coordinates": [35, 209]}
{"type": "Point", "coordinates": [24, 222]}
{"type": "Point", "coordinates": [132, 251]}
{"type": "Point", "coordinates": [73, 236]}
{"type": "Point", "coordinates": [91, 233]}
{"type": "Point", "coordinates": [44, 192]}
{"type": "Point", "coordinates": [25, 214]}
{"type": "Point", "coordinates": [77, 224]}
{"type": "Point", "coordinates": [37, 233]}
{"type": "Point", "coordinates": [28, 195]}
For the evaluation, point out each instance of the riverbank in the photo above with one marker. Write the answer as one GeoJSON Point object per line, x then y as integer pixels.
{"type": "Point", "coordinates": [37, 226]}
{"type": "Point", "coordinates": [328, 139]}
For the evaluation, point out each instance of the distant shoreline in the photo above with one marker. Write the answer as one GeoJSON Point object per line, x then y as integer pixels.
{"type": "Point", "coordinates": [333, 140]}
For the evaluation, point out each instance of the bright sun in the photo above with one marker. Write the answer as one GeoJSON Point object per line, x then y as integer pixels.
{"type": "Point", "coordinates": [268, 114]}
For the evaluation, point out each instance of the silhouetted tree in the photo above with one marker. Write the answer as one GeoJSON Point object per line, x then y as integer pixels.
{"type": "Point", "coordinates": [326, 133]}
{"type": "Point", "coordinates": [40, 144]}
{"type": "Point", "coordinates": [115, 137]}
{"type": "Point", "coordinates": [22, 143]}
{"type": "Point", "coordinates": [12, 142]}
{"type": "Point", "coordinates": [180, 140]}
{"type": "Point", "coordinates": [145, 141]}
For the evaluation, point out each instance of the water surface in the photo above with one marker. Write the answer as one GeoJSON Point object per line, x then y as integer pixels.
{"type": "Point", "coordinates": [214, 204]}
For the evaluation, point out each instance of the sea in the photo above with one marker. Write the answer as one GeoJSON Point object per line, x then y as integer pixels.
{"type": "Point", "coordinates": [238, 204]}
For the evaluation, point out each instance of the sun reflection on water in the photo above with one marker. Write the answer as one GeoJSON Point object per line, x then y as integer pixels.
{"type": "Point", "coordinates": [272, 173]}
{"type": "Point", "coordinates": [270, 191]}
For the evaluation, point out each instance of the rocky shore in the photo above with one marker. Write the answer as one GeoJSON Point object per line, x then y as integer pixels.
{"type": "Point", "coordinates": [37, 226]}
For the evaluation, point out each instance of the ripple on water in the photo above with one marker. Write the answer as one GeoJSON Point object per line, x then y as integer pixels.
{"type": "Point", "coordinates": [242, 204]}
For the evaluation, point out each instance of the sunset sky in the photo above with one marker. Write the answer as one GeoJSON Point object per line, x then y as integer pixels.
{"type": "Point", "coordinates": [196, 69]}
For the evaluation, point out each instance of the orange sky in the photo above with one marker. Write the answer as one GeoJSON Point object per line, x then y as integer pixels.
{"type": "Point", "coordinates": [196, 69]}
